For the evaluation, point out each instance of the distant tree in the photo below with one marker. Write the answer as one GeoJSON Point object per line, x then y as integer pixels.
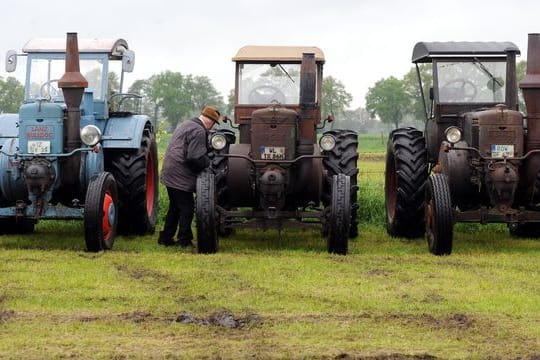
{"type": "Point", "coordinates": [230, 104]}
{"type": "Point", "coordinates": [114, 83]}
{"type": "Point", "coordinates": [149, 104]}
{"type": "Point", "coordinates": [412, 87]}
{"type": "Point", "coordinates": [175, 96]}
{"type": "Point", "coordinates": [388, 100]}
{"type": "Point", "coordinates": [335, 99]}
{"type": "Point", "coordinates": [352, 120]}
{"type": "Point", "coordinates": [11, 95]}
{"type": "Point", "coordinates": [201, 92]}
{"type": "Point", "coordinates": [521, 70]}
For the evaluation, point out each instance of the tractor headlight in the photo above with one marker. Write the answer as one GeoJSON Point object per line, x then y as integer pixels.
{"type": "Point", "coordinates": [90, 135]}
{"type": "Point", "coordinates": [327, 142]}
{"type": "Point", "coordinates": [218, 141]}
{"type": "Point", "coordinates": [453, 134]}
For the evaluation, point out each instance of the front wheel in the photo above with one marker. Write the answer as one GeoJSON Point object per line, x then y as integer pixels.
{"type": "Point", "coordinates": [340, 215]}
{"type": "Point", "coordinates": [100, 212]}
{"type": "Point", "coordinates": [205, 213]}
{"type": "Point", "coordinates": [439, 221]}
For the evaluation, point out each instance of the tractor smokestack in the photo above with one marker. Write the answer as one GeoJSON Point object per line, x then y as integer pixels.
{"type": "Point", "coordinates": [72, 84]}
{"type": "Point", "coordinates": [308, 88]}
{"type": "Point", "coordinates": [530, 86]}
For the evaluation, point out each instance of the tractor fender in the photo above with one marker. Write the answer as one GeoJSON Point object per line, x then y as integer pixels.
{"type": "Point", "coordinates": [124, 132]}
{"type": "Point", "coordinates": [11, 180]}
{"type": "Point", "coordinates": [92, 163]}
{"type": "Point", "coordinates": [455, 165]}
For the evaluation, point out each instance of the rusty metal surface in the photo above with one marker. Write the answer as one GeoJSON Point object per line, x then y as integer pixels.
{"type": "Point", "coordinates": [72, 84]}
{"type": "Point", "coordinates": [530, 87]}
{"type": "Point", "coordinates": [274, 127]}
{"type": "Point", "coordinates": [239, 177]}
{"type": "Point", "coordinates": [499, 126]}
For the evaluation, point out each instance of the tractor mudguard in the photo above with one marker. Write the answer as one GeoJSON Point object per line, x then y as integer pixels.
{"type": "Point", "coordinates": [124, 132]}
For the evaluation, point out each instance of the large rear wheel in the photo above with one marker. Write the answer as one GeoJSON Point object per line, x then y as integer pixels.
{"type": "Point", "coordinates": [136, 173]}
{"type": "Point", "coordinates": [339, 221]}
{"type": "Point", "coordinates": [405, 177]}
{"type": "Point", "coordinates": [100, 213]}
{"type": "Point", "coordinates": [439, 222]}
{"type": "Point", "coordinates": [205, 213]}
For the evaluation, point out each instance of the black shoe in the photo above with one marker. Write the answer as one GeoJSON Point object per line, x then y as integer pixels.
{"type": "Point", "coordinates": [185, 243]}
{"type": "Point", "coordinates": [166, 242]}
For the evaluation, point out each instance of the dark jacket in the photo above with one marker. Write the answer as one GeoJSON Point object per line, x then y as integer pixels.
{"type": "Point", "coordinates": [186, 156]}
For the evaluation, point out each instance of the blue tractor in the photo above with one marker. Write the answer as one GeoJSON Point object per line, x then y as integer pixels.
{"type": "Point", "coordinates": [78, 150]}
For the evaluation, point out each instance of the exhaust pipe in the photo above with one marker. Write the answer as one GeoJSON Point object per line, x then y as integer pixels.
{"type": "Point", "coordinates": [530, 86]}
{"type": "Point", "coordinates": [308, 88]}
{"type": "Point", "coordinates": [72, 84]}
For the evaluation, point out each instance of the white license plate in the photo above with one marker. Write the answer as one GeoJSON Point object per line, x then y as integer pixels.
{"type": "Point", "coordinates": [39, 147]}
{"type": "Point", "coordinates": [272, 153]}
{"type": "Point", "coordinates": [501, 151]}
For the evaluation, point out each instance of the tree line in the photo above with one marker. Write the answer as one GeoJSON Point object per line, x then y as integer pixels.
{"type": "Point", "coordinates": [170, 97]}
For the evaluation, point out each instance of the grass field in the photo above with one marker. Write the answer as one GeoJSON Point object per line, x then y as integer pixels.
{"type": "Point", "coordinates": [272, 294]}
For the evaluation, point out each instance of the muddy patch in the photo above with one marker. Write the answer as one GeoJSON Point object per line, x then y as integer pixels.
{"type": "Point", "coordinates": [224, 318]}
{"type": "Point", "coordinates": [393, 356]}
{"type": "Point", "coordinates": [5, 315]}
{"type": "Point", "coordinates": [459, 321]}
{"type": "Point", "coordinates": [377, 272]}
{"type": "Point", "coordinates": [397, 356]}
{"type": "Point", "coordinates": [142, 274]}
{"type": "Point", "coordinates": [138, 317]}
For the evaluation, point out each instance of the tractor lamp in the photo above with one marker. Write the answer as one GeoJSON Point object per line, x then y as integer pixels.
{"type": "Point", "coordinates": [453, 134]}
{"type": "Point", "coordinates": [327, 142]}
{"type": "Point", "coordinates": [218, 141]}
{"type": "Point", "coordinates": [90, 135]}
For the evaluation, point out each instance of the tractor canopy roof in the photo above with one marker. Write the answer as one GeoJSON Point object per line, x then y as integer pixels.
{"type": "Point", "coordinates": [252, 53]}
{"type": "Point", "coordinates": [113, 47]}
{"type": "Point", "coordinates": [423, 52]}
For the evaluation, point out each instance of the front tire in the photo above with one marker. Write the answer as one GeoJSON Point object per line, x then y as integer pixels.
{"type": "Point", "coordinates": [100, 213]}
{"type": "Point", "coordinates": [340, 215]}
{"type": "Point", "coordinates": [342, 159]}
{"type": "Point", "coordinates": [205, 212]}
{"type": "Point", "coordinates": [439, 222]}
{"type": "Point", "coordinates": [404, 187]}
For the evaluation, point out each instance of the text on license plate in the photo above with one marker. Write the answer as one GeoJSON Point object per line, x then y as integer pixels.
{"type": "Point", "coordinates": [39, 147]}
{"type": "Point", "coordinates": [272, 153]}
{"type": "Point", "coordinates": [500, 151]}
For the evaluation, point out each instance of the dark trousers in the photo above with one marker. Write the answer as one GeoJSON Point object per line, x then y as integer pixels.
{"type": "Point", "coordinates": [179, 216]}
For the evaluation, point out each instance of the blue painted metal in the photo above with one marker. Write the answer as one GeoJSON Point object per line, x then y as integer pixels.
{"type": "Point", "coordinates": [11, 181]}
{"type": "Point", "coordinates": [57, 212]}
{"type": "Point", "coordinates": [124, 132]}
{"type": "Point", "coordinates": [42, 121]}
{"type": "Point", "coordinates": [92, 163]}
{"type": "Point", "coordinates": [8, 125]}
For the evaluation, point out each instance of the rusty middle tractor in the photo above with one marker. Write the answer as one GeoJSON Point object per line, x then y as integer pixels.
{"type": "Point", "coordinates": [277, 175]}
{"type": "Point", "coordinates": [61, 158]}
{"type": "Point", "coordinates": [483, 154]}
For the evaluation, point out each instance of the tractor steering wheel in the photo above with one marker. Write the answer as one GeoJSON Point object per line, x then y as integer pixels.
{"type": "Point", "coordinates": [51, 90]}
{"type": "Point", "coordinates": [459, 90]}
{"type": "Point", "coordinates": [265, 95]}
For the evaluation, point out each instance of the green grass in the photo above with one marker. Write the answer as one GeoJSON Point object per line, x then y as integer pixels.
{"type": "Point", "coordinates": [389, 298]}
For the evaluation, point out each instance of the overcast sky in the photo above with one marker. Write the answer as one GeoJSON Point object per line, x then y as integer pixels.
{"type": "Point", "coordinates": [363, 40]}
